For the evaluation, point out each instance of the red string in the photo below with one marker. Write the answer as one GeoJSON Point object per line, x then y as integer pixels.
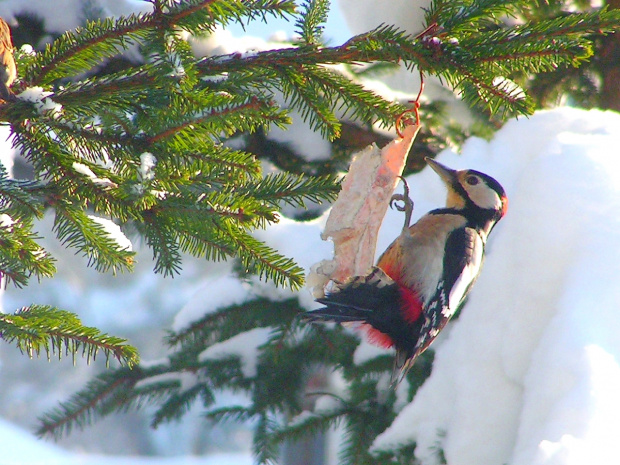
{"type": "Point", "coordinates": [415, 109]}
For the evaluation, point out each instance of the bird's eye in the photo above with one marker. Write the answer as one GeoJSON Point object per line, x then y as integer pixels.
{"type": "Point", "coordinates": [472, 180]}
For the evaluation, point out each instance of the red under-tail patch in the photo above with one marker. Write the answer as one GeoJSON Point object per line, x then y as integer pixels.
{"type": "Point", "coordinates": [377, 338]}
{"type": "Point", "coordinates": [411, 308]}
{"type": "Point", "coordinates": [411, 305]}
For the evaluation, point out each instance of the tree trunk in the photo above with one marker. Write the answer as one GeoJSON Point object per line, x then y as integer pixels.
{"type": "Point", "coordinates": [610, 67]}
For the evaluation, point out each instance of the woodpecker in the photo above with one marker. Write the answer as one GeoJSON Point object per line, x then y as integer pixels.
{"type": "Point", "coordinates": [423, 277]}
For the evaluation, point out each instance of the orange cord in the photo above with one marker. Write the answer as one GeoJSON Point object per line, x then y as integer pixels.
{"type": "Point", "coordinates": [415, 109]}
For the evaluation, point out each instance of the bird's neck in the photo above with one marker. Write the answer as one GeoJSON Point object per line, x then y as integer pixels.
{"type": "Point", "coordinates": [477, 218]}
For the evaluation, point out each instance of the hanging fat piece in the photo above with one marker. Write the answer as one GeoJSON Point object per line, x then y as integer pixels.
{"type": "Point", "coordinates": [356, 216]}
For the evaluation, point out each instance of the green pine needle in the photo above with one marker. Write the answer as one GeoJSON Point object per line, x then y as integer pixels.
{"type": "Point", "coordinates": [311, 20]}
{"type": "Point", "coordinates": [172, 148]}
{"type": "Point", "coordinates": [57, 332]}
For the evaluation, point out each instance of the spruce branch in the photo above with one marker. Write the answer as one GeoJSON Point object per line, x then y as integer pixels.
{"type": "Point", "coordinates": [304, 94]}
{"type": "Point", "coordinates": [233, 119]}
{"type": "Point", "coordinates": [309, 424]}
{"type": "Point", "coordinates": [109, 388]}
{"type": "Point", "coordinates": [265, 451]}
{"type": "Point", "coordinates": [76, 229]}
{"type": "Point", "coordinates": [216, 236]}
{"type": "Point", "coordinates": [292, 189]}
{"type": "Point", "coordinates": [78, 51]}
{"type": "Point", "coordinates": [21, 197]}
{"type": "Point", "coordinates": [122, 89]}
{"type": "Point", "coordinates": [236, 319]}
{"type": "Point", "coordinates": [351, 99]}
{"type": "Point", "coordinates": [232, 164]}
{"type": "Point", "coordinates": [470, 16]}
{"type": "Point", "coordinates": [179, 403]}
{"type": "Point", "coordinates": [437, 52]}
{"type": "Point", "coordinates": [230, 413]}
{"type": "Point", "coordinates": [20, 254]}
{"type": "Point", "coordinates": [311, 20]}
{"type": "Point", "coordinates": [161, 238]}
{"type": "Point", "coordinates": [123, 389]}
{"type": "Point", "coordinates": [259, 259]}
{"type": "Point", "coordinates": [37, 328]}
{"type": "Point", "coordinates": [202, 15]}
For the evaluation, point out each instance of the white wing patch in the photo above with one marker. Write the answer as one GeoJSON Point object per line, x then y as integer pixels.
{"type": "Point", "coordinates": [444, 306]}
{"type": "Point", "coordinates": [465, 280]}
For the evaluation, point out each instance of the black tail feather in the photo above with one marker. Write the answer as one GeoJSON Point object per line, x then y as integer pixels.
{"type": "Point", "coordinates": [376, 300]}
{"type": "Point", "coordinates": [364, 299]}
{"type": "Point", "coordinates": [337, 312]}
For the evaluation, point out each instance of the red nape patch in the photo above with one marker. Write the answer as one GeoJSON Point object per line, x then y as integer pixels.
{"type": "Point", "coordinates": [411, 304]}
{"type": "Point", "coordinates": [377, 338]}
{"type": "Point", "coordinates": [504, 205]}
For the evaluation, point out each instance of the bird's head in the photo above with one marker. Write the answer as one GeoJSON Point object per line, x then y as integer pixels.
{"type": "Point", "coordinates": [471, 189]}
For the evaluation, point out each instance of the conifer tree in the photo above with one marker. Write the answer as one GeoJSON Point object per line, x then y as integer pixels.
{"type": "Point", "coordinates": [146, 147]}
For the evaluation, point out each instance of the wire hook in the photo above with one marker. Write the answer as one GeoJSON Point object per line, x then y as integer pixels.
{"type": "Point", "coordinates": [415, 109]}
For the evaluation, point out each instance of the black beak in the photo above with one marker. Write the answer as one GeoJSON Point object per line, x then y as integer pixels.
{"type": "Point", "coordinates": [446, 174]}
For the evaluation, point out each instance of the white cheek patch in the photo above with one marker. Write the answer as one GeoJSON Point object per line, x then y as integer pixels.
{"type": "Point", "coordinates": [483, 196]}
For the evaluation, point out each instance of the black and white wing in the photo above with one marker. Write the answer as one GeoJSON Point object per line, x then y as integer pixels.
{"type": "Point", "coordinates": [461, 266]}
{"type": "Point", "coordinates": [358, 299]}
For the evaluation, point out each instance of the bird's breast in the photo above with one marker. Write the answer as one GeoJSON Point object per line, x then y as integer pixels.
{"type": "Point", "coordinates": [415, 258]}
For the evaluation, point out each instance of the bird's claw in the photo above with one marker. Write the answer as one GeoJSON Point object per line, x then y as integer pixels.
{"type": "Point", "coordinates": [398, 198]}
{"type": "Point", "coordinates": [407, 205]}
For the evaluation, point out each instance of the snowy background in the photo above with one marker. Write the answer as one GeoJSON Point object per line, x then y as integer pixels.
{"type": "Point", "coordinates": [529, 373]}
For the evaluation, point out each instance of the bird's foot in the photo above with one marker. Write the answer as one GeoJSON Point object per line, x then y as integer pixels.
{"type": "Point", "coordinates": [407, 205]}
{"type": "Point", "coordinates": [6, 94]}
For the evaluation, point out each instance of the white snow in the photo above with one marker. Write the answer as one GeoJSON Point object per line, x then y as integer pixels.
{"type": "Point", "coordinates": [6, 222]}
{"type": "Point", "coordinates": [530, 370]}
{"type": "Point", "coordinates": [219, 292]}
{"type": "Point", "coordinates": [86, 171]}
{"type": "Point", "coordinates": [224, 42]}
{"type": "Point", "coordinates": [302, 417]}
{"type": "Point", "coordinates": [366, 351]}
{"type": "Point", "coordinates": [7, 152]}
{"type": "Point", "coordinates": [244, 345]}
{"type": "Point", "coordinates": [185, 379]}
{"type": "Point", "coordinates": [528, 375]}
{"type": "Point", "coordinates": [509, 86]}
{"type": "Point", "coordinates": [25, 448]}
{"type": "Point", "coordinates": [147, 166]}
{"type": "Point", "coordinates": [83, 169]}
{"type": "Point", "coordinates": [28, 50]}
{"type": "Point", "coordinates": [42, 101]}
{"type": "Point", "coordinates": [113, 231]}
{"type": "Point", "coordinates": [326, 403]}
{"type": "Point", "coordinates": [21, 448]}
